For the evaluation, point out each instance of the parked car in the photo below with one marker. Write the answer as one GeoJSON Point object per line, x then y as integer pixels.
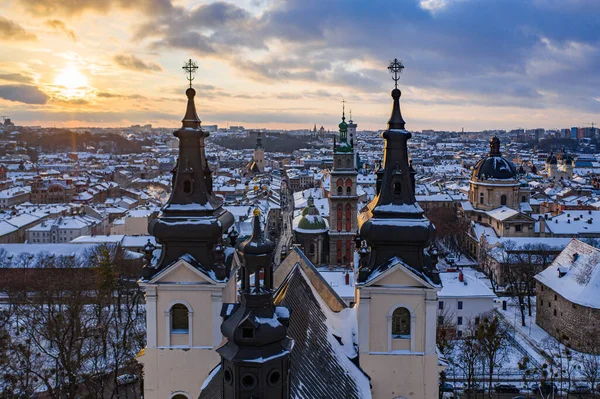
{"type": "Point", "coordinates": [446, 387]}
{"type": "Point", "coordinates": [506, 388]}
{"type": "Point", "coordinates": [580, 388]}
{"type": "Point", "coordinates": [450, 259]}
{"type": "Point", "coordinates": [125, 379]}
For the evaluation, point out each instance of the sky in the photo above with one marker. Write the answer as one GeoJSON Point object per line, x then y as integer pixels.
{"type": "Point", "coordinates": [472, 64]}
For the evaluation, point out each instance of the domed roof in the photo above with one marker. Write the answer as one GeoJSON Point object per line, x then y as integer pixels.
{"type": "Point", "coordinates": [495, 166]}
{"type": "Point", "coordinates": [551, 159]}
{"type": "Point", "coordinates": [311, 220]}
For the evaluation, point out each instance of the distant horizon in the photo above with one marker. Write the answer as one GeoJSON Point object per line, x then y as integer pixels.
{"type": "Point", "coordinates": [284, 65]}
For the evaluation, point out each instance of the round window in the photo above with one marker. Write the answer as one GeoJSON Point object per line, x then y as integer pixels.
{"type": "Point", "coordinates": [274, 377]}
{"type": "Point", "coordinates": [227, 376]}
{"type": "Point", "coordinates": [248, 381]}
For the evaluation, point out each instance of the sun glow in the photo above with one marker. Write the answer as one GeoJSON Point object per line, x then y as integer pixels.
{"type": "Point", "coordinates": [71, 82]}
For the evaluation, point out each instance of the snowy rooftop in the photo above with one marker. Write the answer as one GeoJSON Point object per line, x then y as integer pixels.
{"type": "Point", "coordinates": [472, 287]}
{"type": "Point", "coordinates": [580, 282]}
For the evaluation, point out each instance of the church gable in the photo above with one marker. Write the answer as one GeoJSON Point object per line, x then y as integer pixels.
{"type": "Point", "coordinates": [181, 272]}
{"type": "Point", "coordinates": [395, 273]}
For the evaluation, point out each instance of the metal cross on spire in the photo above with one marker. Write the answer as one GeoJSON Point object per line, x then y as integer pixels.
{"type": "Point", "coordinates": [395, 69]}
{"type": "Point", "coordinates": [190, 69]}
{"type": "Point", "coordinates": [343, 109]}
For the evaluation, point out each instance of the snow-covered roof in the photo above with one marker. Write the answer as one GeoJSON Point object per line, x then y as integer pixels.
{"type": "Point", "coordinates": [471, 287]}
{"type": "Point", "coordinates": [502, 213]}
{"type": "Point", "coordinates": [579, 277]}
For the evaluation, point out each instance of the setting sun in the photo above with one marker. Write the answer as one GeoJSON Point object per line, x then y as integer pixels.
{"type": "Point", "coordinates": [72, 82]}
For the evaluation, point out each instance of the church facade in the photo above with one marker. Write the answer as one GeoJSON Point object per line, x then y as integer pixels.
{"type": "Point", "coordinates": [225, 322]}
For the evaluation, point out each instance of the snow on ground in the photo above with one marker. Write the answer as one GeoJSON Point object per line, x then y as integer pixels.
{"type": "Point", "coordinates": [531, 337]}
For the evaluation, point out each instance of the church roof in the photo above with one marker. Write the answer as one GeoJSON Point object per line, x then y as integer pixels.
{"type": "Point", "coordinates": [495, 166]}
{"type": "Point", "coordinates": [323, 361]}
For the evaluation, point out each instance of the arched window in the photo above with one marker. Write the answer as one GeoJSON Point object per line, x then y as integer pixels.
{"type": "Point", "coordinates": [340, 191]}
{"type": "Point", "coordinates": [311, 248]}
{"type": "Point", "coordinates": [523, 199]}
{"type": "Point", "coordinates": [339, 162]}
{"type": "Point", "coordinates": [179, 319]}
{"type": "Point", "coordinates": [348, 162]}
{"type": "Point", "coordinates": [348, 183]}
{"type": "Point", "coordinates": [348, 217]}
{"type": "Point", "coordinates": [401, 323]}
{"type": "Point", "coordinates": [397, 188]}
{"type": "Point", "coordinates": [481, 198]}
{"type": "Point", "coordinates": [339, 251]}
{"type": "Point", "coordinates": [340, 184]}
{"type": "Point", "coordinates": [348, 190]}
{"type": "Point", "coordinates": [340, 216]}
{"type": "Point", "coordinates": [503, 200]}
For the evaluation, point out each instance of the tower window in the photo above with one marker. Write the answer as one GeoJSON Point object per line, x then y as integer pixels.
{"type": "Point", "coordinates": [248, 381]}
{"type": "Point", "coordinates": [227, 376]}
{"type": "Point", "coordinates": [503, 200]}
{"type": "Point", "coordinates": [523, 199]}
{"type": "Point", "coordinates": [397, 188]}
{"type": "Point", "coordinates": [348, 190]}
{"type": "Point", "coordinates": [401, 323]}
{"type": "Point", "coordinates": [179, 319]}
{"type": "Point", "coordinates": [274, 377]}
{"type": "Point", "coordinates": [459, 321]}
{"type": "Point", "coordinates": [311, 249]}
{"type": "Point", "coordinates": [481, 198]}
{"type": "Point", "coordinates": [187, 186]}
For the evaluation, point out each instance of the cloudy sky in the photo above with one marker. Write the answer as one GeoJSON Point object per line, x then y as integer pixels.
{"type": "Point", "coordinates": [477, 64]}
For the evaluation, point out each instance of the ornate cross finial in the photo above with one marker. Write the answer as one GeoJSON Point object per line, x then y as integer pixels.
{"type": "Point", "coordinates": [395, 69]}
{"type": "Point", "coordinates": [350, 114]}
{"type": "Point", "coordinates": [190, 68]}
{"type": "Point", "coordinates": [343, 109]}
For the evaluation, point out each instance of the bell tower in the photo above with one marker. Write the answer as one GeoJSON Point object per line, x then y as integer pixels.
{"type": "Point", "coordinates": [343, 200]}
{"type": "Point", "coordinates": [255, 356]}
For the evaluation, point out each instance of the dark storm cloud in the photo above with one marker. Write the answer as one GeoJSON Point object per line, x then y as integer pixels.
{"type": "Point", "coordinates": [10, 30]}
{"type": "Point", "coordinates": [136, 64]}
{"type": "Point", "coordinates": [23, 93]}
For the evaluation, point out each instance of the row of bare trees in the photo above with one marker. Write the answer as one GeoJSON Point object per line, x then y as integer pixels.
{"type": "Point", "coordinates": [563, 367]}
{"type": "Point", "coordinates": [72, 331]}
{"type": "Point", "coordinates": [478, 353]}
{"type": "Point", "coordinates": [515, 268]}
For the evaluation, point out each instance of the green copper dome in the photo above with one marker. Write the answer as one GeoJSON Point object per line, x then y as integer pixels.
{"type": "Point", "coordinates": [311, 219]}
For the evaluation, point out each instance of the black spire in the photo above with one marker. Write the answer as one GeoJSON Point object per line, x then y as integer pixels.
{"type": "Point", "coordinates": [193, 220]}
{"type": "Point", "coordinates": [394, 224]}
{"type": "Point", "coordinates": [255, 354]}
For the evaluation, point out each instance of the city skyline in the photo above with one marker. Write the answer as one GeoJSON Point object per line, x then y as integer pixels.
{"type": "Point", "coordinates": [470, 64]}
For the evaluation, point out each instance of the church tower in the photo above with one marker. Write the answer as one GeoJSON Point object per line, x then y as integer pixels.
{"type": "Point", "coordinates": [343, 200]}
{"type": "Point", "coordinates": [259, 155]}
{"type": "Point", "coordinates": [255, 357]}
{"type": "Point", "coordinates": [188, 280]}
{"type": "Point", "coordinates": [397, 280]}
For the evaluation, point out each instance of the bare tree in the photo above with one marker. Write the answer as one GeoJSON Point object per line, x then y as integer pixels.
{"type": "Point", "coordinates": [492, 339]}
{"type": "Point", "coordinates": [469, 356]}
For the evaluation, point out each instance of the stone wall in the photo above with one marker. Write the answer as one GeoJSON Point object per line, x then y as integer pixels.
{"type": "Point", "coordinates": [573, 324]}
